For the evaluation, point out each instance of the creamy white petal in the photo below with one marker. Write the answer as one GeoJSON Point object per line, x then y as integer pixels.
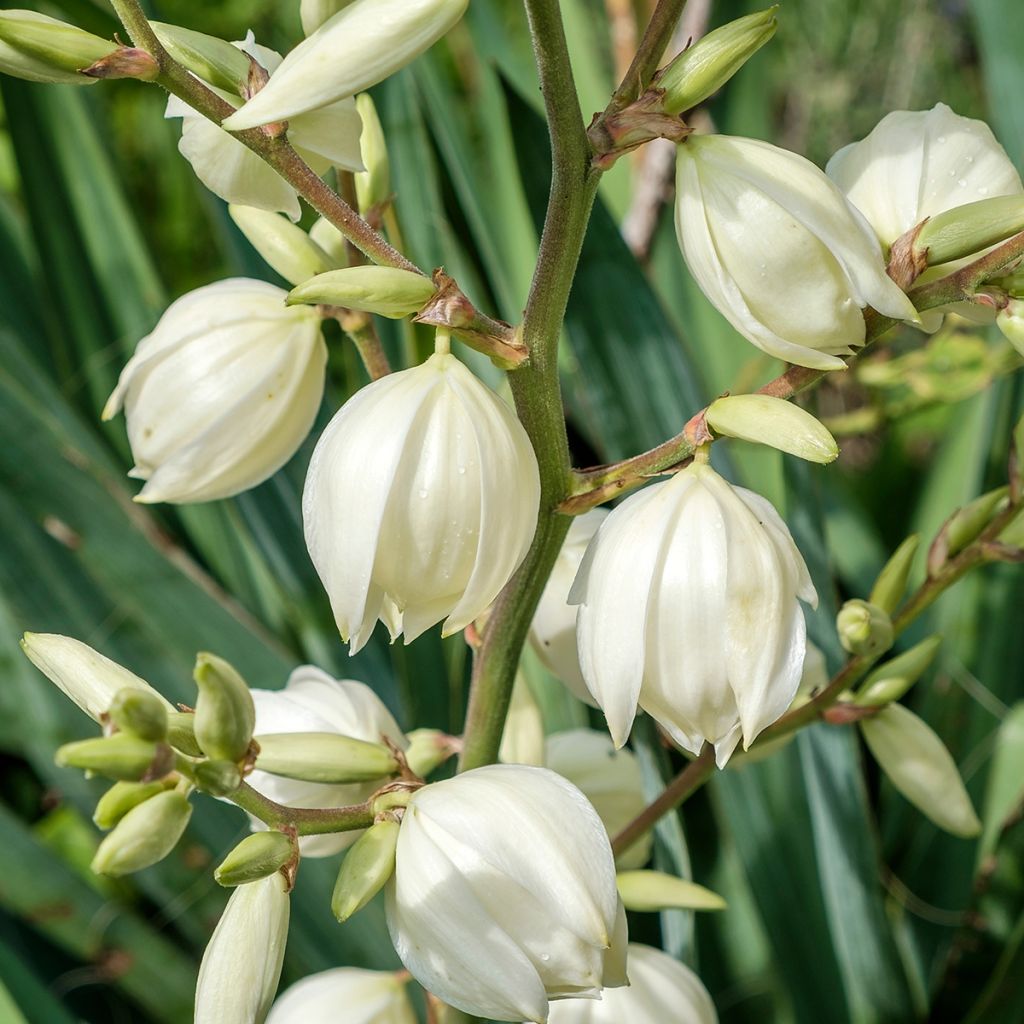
{"type": "Point", "coordinates": [329, 136]}
{"type": "Point", "coordinates": [368, 997]}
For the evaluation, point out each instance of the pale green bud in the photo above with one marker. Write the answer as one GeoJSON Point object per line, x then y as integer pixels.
{"type": "Point", "coordinates": [218, 778]}
{"type": "Point", "coordinates": [121, 798]}
{"type": "Point", "coordinates": [774, 422]}
{"type": "Point", "coordinates": [284, 245]}
{"type": "Point", "coordinates": [181, 733]}
{"type": "Point", "coordinates": [522, 739]}
{"type": "Point", "coordinates": [255, 857]}
{"type": "Point", "coordinates": [367, 866]}
{"type": "Point", "coordinates": [122, 756]}
{"type": "Point", "coordinates": [140, 713]}
{"type": "Point", "coordinates": [385, 290]}
{"type": "Point", "coordinates": [890, 681]}
{"type": "Point", "coordinates": [213, 60]}
{"type": "Point", "coordinates": [225, 715]}
{"type": "Point", "coordinates": [891, 584]}
{"type": "Point", "coordinates": [1011, 322]}
{"type": "Point", "coordinates": [967, 522]}
{"type": "Point", "coordinates": [1012, 283]}
{"type": "Point", "coordinates": [864, 628]}
{"type": "Point", "coordinates": [707, 65]}
{"type": "Point", "coordinates": [428, 748]}
{"type": "Point", "coordinates": [43, 49]}
{"type": "Point", "coordinates": [314, 13]}
{"type": "Point", "coordinates": [145, 835]}
{"type": "Point", "coordinates": [373, 186]}
{"type": "Point", "coordinates": [324, 757]}
{"type": "Point", "coordinates": [921, 768]}
{"type": "Point", "coordinates": [324, 234]}
{"type": "Point", "coordinates": [656, 891]}
{"type": "Point", "coordinates": [966, 230]}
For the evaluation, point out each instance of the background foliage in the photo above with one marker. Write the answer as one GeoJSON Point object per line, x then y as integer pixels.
{"type": "Point", "coordinates": [845, 905]}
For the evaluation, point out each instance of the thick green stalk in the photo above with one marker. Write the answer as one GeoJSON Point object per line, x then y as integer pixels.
{"type": "Point", "coordinates": [305, 821]}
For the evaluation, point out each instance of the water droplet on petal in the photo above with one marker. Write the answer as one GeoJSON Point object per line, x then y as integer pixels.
{"type": "Point", "coordinates": [941, 138]}
{"type": "Point", "coordinates": [423, 494]}
{"type": "Point", "coordinates": [962, 183]}
{"type": "Point", "coordinates": [982, 190]}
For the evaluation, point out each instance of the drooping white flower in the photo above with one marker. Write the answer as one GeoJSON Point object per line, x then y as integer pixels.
{"type": "Point", "coordinates": [553, 630]}
{"type": "Point", "coordinates": [348, 994]}
{"type": "Point", "coordinates": [778, 250]}
{"type": "Point", "coordinates": [361, 45]}
{"type": "Point", "coordinates": [242, 963]}
{"type": "Point", "coordinates": [661, 989]}
{"type": "Point", "coordinates": [324, 138]}
{"type": "Point", "coordinates": [222, 392]}
{"type": "Point", "coordinates": [610, 779]}
{"type": "Point", "coordinates": [504, 894]}
{"type": "Point", "coordinates": [688, 607]}
{"type": "Point", "coordinates": [420, 502]}
{"type": "Point", "coordinates": [313, 701]}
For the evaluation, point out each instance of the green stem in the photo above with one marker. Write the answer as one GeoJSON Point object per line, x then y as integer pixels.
{"type": "Point", "coordinates": [656, 37]}
{"type": "Point", "coordinates": [305, 821]}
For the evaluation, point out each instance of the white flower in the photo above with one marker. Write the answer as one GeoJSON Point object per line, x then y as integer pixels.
{"type": "Point", "coordinates": [504, 894]}
{"type": "Point", "coordinates": [553, 630]}
{"type": "Point", "coordinates": [610, 779]}
{"type": "Point", "coordinates": [420, 502]}
{"type": "Point", "coordinates": [361, 45]}
{"type": "Point", "coordinates": [661, 989]}
{"type": "Point", "coordinates": [778, 251]}
{"type": "Point", "coordinates": [87, 677]}
{"type": "Point", "coordinates": [324, 138]}
{"type": "Point", "coordinates": [348, 994]}
{"type": "Point", "coordinates": [688, 606]}
{"type": "Point", "coordinates": [222, 392]}
{"type": "Point", "coordinates": [242, 963]}
{"type": "Point", "coordinates": [312, 701]}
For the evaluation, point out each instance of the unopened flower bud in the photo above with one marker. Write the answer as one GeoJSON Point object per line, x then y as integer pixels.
{"type": "Point", "coordinates": [313, 13]}
{"type": "Point", "coordinates": [324, 757]}
{"type": "Point", "coordinates": [385, 290]}
{"type": "Point", "coordinates": [705, 67]}
{"type": "Point", "coordinates": [522, 740]}
{"type": "Point", "coordinates": [373, 186]}
{"type": "Point", "coordinates": [864, 628]}
{"type": "Point", "coordinates": [255, 857]}
{"type": "Point", "coordinates": [121, 798]}
{"type": "Point", "coordinates": [225, 715]}
{"type": "Point", "coordinates": [891, 584]}
{"type": "Point", "coordinates": [890, 681]}
{"type": "Point", "coordinates": [324, 234]}
{"type": "Point", "coordinates": [965, 230]}
{"type": "Point", "coordinates": [1010, 322]}
{"type": "Point", "coordinates": [145, 835]}
{"type": "Point", "coordinates": [242, 963]}
{"type": "Point", "coordinates": [428, 748]}
{"type": "Point", "coordinates": [774, 422]}
{"type": "Point", "coordinates": [656, 891]}
{"type": "Point", "coordinates": [181, 733]}
{"type": "Point", "coordinates": [921, 768]}
{"type": "Point", "coordinates": [367, 866]}
{"type": "Point", "coordinates": [369, 997]}
{"type": "Point", "coordinates": [122, 756]}
{"type": "Point", "coordinates": [218, 778]}
{"type": "Point", "coordinates": [284, 245]}
{"type": "Point", "coordinates": [967, 523]}
{"type": "Point", "coordinates": [42, 49]}
{"type": "Point", "coordinates": [140, 713]}
{"type": "Point", "coordinates": [213, 60]}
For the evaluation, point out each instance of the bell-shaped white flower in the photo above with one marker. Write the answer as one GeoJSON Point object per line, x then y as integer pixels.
{"type": "Point", "coordinates": [661, 989]}
{"type": "Point", "coordinates": [242, 963]}
{"type": "Point", "coordinates": [504, 894]}
{"type": "Point", "coordinates": [610, 779]}
{"type": "Point", "coordinates": [420, 502]}
{"type": "Point", "coordinates": [688, 607]}
{"type": "Point", "coordinates": [313, 701]}
{"type": "Point", "coordinates": [324, 138]}
{"type": "Point", "coordinates": [349, 994]}
{"type": "Point", "coordinates": [553, 630]}
{"type": "Point", "coordinates": [222, 392]}
{"type": "Point", "coordinates": [361, 45]}
{"type": "Point", "coordinates": [779, 251]}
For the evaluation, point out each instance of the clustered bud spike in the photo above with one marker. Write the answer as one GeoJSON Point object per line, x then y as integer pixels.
{"type": "Point", "coordinates": [889, 682]}
{"type": "Point", "coordinates": [657, 891]}
{"type": "Point", "coordinates": [324, 757]}
{"type": "Point", "coordinates": [225, 716]}
{"type": "Point", "coordinates": [891, 584]}
{"type": "Point", "coordinates": [775, 422]}
{"type": "Point", "coordinates": [385, 290]}
{"type": "Point", "coordinates": [145, 835]}
{"type": "Point", "coordinates": [255, 857]}
{"type": "Point", "coordinates": [366, 868]}
{"type": "Point", "coordinates": [864, 628]}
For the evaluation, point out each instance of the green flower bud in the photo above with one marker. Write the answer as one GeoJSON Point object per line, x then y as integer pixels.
{"type": "Point", "coordinates": [373, 186]}
{"type": "Point", "coordinates": [385, 290]}
{"type": "Point", "coordinates": [706, 66]}
{"type": "Point", "coordinates": [864, 628]}
{"type": "Point", "coordinates": [139, 713]}
{"type": "Point", "coordinates": [655, 891]}
{"type": "Point", "coordinates": [181, 733]}
{"type": "Point", "coordinates": [891, 584]}
{"type": "Point", "coordinates": [428, 748]}
{"type": "Point", "coordinates": [367, 866]}
{"type": "Point", "coordinates": [145, 835]}
{"type": "Point", "coordinates": [255, 857]}
{"type": "Point", "coordinates": [324, 757]}
{"type": "Point", "coordinates": [284, 245]}
{"type": "Point", "coordinates": [890, 681]}
{"type": "Point", "coordinates": [218, 778]}
{"type": "Point", "coordinates": [121, 798]}
{"type": "Point", "coordinates": [225, 715]}
{"type": "Point", "coordinates": [966, 230]}
{"type": "Point", "coordinates": [772, 421]}
{"type": "Point", "coordinates": [211, 59]}
{"type": "Point", "coordinates": [324, 234]}
{"type": "Point", "coordinates": [42, 49]}
{"type": "Point", "coordinates": [967, 522]}
{"type": "Point", "coordinates": [122, 756]}
{"type": "Point", "coordinates": [1011, 322]}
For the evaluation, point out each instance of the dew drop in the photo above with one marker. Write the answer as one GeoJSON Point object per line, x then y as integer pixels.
{"type": "Point", "coordinates": [545, 957]}
{"type": "Point", "coordinates": [462, 470]}
{"type": "Point", "coordinates": [982, 190]}
{"type": "Point", "coordinates": [423, 494]}
{"type": "Point", "coordinates": [962, 183]}
{"type": "Point", "coordinates": [941, 138]}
